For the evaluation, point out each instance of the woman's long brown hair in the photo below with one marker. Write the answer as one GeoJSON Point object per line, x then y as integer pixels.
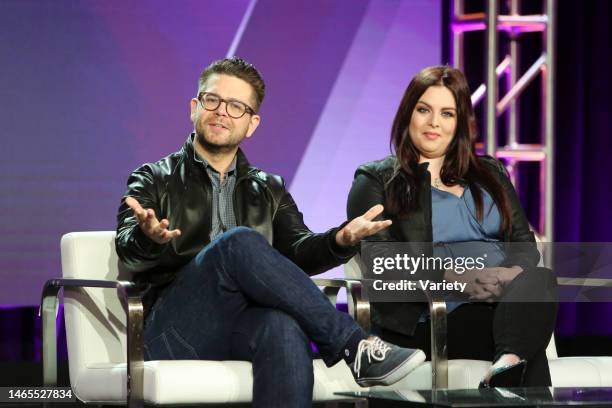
{"type": "Point", "coordinates": [460, 162]}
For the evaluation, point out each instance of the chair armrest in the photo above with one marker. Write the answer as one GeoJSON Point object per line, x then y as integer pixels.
{"type": "Point", "coordinates": [439, 351]}
{"type": "Point", "coordinates": [358, 303]}
{"type": "Point", "coordinates": [590, 282]}
{"type": "Point", "coordinates": [132, 304]}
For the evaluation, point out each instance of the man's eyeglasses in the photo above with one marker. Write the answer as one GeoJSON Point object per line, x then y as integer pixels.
{"type": "Point", "coordinates": [234, 108]}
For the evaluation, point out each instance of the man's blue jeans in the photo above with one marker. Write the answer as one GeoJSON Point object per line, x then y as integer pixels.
{"type": "Point", "coordinates": [240, 299]}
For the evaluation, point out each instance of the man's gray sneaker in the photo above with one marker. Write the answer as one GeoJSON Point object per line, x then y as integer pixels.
{"type": "Point", "coordinates": [381, 363]}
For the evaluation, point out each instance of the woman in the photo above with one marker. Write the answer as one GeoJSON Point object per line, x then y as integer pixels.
{"type": "Point", "coordinates": [435, 189]}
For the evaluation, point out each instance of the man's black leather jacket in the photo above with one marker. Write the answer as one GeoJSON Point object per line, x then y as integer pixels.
{"type": "Point", "coordinates": [179, 189]}
{"type": "Point", "coordinates": [369, 189]}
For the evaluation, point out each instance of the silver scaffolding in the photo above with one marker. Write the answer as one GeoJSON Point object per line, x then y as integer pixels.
{"type": "Point", "coordinates": [514, 152]}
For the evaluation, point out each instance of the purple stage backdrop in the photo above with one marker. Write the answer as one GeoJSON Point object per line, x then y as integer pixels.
{"type": "Point", "coordinates": [90, 90]}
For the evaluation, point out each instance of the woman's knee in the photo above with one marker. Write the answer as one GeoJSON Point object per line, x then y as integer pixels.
{"type": "Point", "coordinates": [533, 285]}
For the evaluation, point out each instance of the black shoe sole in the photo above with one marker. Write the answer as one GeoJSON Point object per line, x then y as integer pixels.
{"type": "Point", "coordinates": [511, 376]}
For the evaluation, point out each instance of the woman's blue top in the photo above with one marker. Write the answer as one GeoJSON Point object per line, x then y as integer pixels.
{"type": "Point", "coordinates": [458, 233]}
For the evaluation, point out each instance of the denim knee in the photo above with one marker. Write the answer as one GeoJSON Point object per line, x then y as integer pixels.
{"type": "Point", "coordinates": [236, 237]}
{"type": "Point", "coordinates": [240, 234]}
{"type": "Point", "coordinates": [280, 332]}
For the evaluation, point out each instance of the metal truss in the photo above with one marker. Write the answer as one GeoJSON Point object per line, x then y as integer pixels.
{"type": "Point", "coordinates": [514, 152]}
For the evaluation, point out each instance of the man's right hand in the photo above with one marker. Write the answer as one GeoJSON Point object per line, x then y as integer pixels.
{"type": "Point", "coordinates": [156, 230]}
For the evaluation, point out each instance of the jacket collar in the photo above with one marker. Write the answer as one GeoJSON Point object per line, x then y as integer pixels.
{"type": "Point", "coordinates": [422, 171]}
{"type": "Point", "coordinates": [243, 167]}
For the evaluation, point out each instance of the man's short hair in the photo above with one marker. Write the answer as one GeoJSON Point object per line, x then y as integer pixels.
{"type": "Point", "coordinates": [238, 68]}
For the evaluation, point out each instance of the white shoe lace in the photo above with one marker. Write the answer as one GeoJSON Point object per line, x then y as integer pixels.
{"type": "Point", "coordinates": [376, 349]}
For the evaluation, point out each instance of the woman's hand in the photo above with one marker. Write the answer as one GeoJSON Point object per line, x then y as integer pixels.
{"type": "Point", "coordinates": [506, 275]}
{"type": "Point", "coordinates": [485, 284]}
{"type": "Point", "coordinates": [482, 284]}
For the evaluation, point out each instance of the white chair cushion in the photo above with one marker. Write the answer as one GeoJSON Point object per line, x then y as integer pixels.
{"type": "Point", "coordinates": [564, 371]}
{"type": "Point", "coordinates": [191, 381]}
{"type": "Point", "coordinates": [581, 371]}
{"type": "Point", "coordinates": [462, 374]}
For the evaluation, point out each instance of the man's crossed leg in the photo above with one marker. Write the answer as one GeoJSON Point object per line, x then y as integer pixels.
{"type": "Point", "coordinates": [240, 299]}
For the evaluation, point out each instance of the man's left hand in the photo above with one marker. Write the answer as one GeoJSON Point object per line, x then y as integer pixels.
{"type": "Point", "coordinates": [362, 227]}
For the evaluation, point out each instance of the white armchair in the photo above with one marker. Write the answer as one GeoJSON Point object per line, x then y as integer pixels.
{"type": "Point", "coordinates": [104, 326]}
{"type": "Point", "coordinates": [466, 374]}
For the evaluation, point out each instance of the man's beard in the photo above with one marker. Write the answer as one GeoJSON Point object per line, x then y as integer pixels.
{"type": "Point", "coordinates": [215, 148]}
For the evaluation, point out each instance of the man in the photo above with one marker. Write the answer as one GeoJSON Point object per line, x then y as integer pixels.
{"type": "Point", "coordinates": [224, 251]}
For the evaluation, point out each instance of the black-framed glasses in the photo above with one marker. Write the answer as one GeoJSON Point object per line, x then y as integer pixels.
{"type": "Point", "coordinates": [235, 109]}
